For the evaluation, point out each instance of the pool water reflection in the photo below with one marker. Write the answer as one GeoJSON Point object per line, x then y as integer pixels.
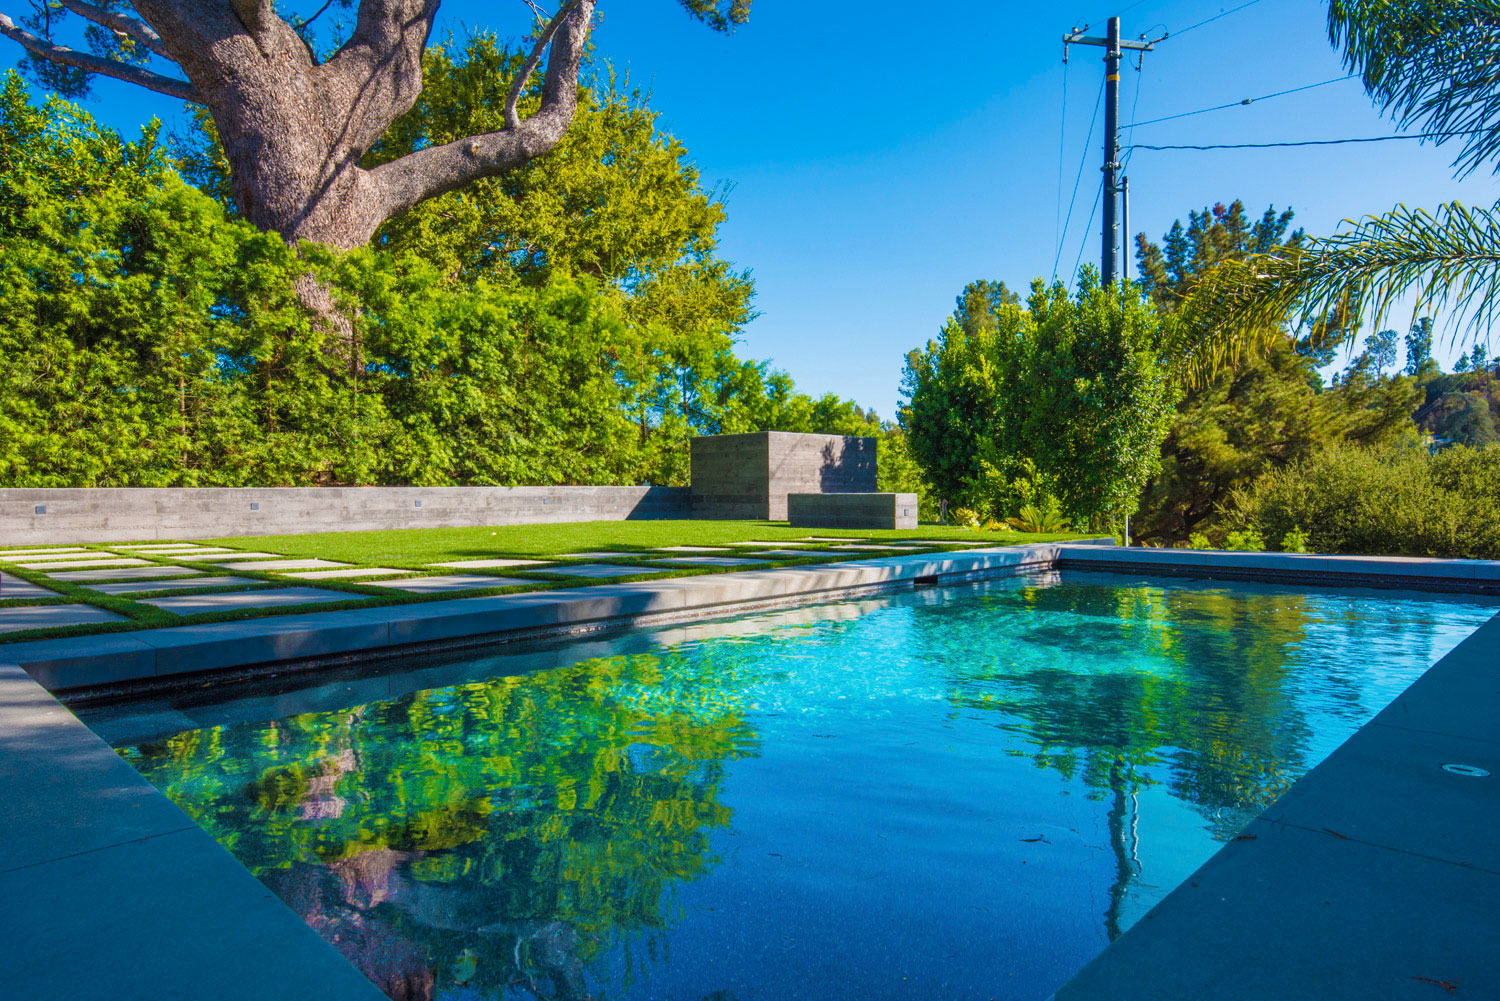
{"type": "Point", "coordinates": [948, 794]}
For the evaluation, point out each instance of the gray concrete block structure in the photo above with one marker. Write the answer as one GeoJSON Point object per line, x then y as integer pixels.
{"type": "Point", "coordinates": [749, 475]}
{"type": "Point", "coordinates": [850, 510]}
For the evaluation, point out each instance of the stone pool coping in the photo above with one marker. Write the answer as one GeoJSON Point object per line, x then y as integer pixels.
{"type": "Point", "coordinates": [1374, 870]}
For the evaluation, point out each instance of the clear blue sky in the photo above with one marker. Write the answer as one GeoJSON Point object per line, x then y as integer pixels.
{"type": "Point", "coordinates": [881, 156]}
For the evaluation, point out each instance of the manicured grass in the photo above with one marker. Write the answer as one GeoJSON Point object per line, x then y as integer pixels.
{"type": "Point", "coordinates": [419, 546]}
{"type": "Point", "coordinates": [414, 550]}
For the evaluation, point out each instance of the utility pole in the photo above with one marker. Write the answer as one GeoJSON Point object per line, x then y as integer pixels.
{"type": "Point", "coordinates": [1113, 48]}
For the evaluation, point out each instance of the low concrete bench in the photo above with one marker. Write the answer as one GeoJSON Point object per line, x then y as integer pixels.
{"type": "Point", "coordinates": [852, 510]}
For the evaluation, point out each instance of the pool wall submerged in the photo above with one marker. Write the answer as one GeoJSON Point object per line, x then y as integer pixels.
{"type": "Point", "coordinates": [1340, 910]}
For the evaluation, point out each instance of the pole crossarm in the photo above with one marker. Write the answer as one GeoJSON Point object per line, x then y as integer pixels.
{"type": "Point", "coordinates": [1079, 39]}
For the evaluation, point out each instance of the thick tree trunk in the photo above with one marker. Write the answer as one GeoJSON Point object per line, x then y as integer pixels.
{"type": "Point", "coordinates": [294, 129]}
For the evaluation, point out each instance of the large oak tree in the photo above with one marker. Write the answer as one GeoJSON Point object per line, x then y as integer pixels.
{"type": "Point", "coordinates": [295, 126]}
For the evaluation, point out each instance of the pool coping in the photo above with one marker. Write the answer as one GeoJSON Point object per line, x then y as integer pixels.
{"type": "Point", "coordinates": [78, 816]}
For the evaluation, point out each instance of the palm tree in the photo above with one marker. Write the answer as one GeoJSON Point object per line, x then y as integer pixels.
{"type": "Point", "coordinates": [1434, 65]}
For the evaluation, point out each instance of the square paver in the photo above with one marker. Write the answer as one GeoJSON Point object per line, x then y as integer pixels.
{"type": "Point", "coordinates": [713, 561]}
{"type": "Point", "coordinates": [15, 587]}
{"type": "Point", "coordinates": [105, 562]}
{"type": "Point", "coordinates": [480, 564]}
{"type": "Point", "coordinates": [232, 557]}
{"type": "Point", "coordinates": [594, 570]}
{"type": "Point", "coordinates": [178, 584]}
{"type": "Point", "coordinates": [786, 553]}
{"type": "Point", "coordinates": [596, 556]}
{"type": "Point", "coordinates": [15, 554]}
{"type": "Point", "coordinates": [192, 604]}
{"type": "Point", "coordinates": [20, 617]}
{"type": "Point", "coordinates": [348, 572]}
{"type": "Point", "coordinates": [449, 582]}
{"type": "Point", "coordinates": [89, 554]}
{"type": "Point", "coordinates": [757, 545]}
{"type": "Point", "coordinates": [866, 547]}
{"type": "Point", "coordinates": [691, 549]}
{"type": "Point", "coordinates": [278, 564]}
{"type": "Point", "coordinates": [173, 550]}
{"type": "Point", "coordinates": [124, 573]}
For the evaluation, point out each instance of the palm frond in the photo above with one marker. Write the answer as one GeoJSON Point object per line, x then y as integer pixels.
{"type": "Point", "coordinates": [1448, 259]}
{"type": "Point", "coordinates": [1430, 63]}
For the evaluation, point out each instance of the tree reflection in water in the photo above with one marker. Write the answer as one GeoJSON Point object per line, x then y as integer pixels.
{"type": "Point", "coordinates": [492, 835]}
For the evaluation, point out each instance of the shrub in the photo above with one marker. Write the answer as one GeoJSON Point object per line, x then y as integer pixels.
{"type": "Point", "coordinates": [1398, 501]}
{"type": "Point", "coordinates": [1294, 541]}
{"type": "Point", "coordinates": [1199, 541]}
{"type": "Point", "coordinates": [1246, 540]}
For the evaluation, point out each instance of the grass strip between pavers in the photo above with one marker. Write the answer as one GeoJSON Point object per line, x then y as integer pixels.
{"type": "Point", "coordinates": [419, 549]}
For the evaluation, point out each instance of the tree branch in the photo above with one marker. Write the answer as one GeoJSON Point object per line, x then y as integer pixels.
{"type": "Point", "coordinates": [64, 56]}
{"type": "Point", "coordinates": [518, 87]}
{"type": "Point", "coordinates": [438, 170]}
{"type": "Point", "coordinates": [115, 21]}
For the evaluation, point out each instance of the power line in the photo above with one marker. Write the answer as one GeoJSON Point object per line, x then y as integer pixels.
{"type": "Point", "coordinates": [1222, 13]}
{"type": "Point", "coordinates": [1315, 142]}
{"type": "Point", "coordinates": [1062, 146]}
{"type": "Point", "coordinates": [1093, 118]}
{"type": "Point", "coordinates": [1242, 103]}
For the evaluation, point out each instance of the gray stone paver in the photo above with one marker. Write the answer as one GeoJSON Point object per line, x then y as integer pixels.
{"type": "Point", "coordinates": [869, 547]}
{"type": "Point", "coordinates": [123, 573]}
{"type": "Point", "coordinates": [594, 570]}
{"type": "Point", "coordinates": [711, 561]}
{"type": "Point", "coordinates": [102, 562]}
{"type": "Point", "coordinates": [597, 556]}
{"type": "Point", "coordinates": [230, 558]}
{"type": "Point", "coordinates": [450, 582]}
{"type": "Point", "coordinates": [193, 604]}
{"type": "Point", "coordinates": [63, 557]}
{"type": "Point", "coordinates": [175, 584]}
{"type": "Point", "coordinates": [481, 564]}
{"type": "Point", "coordinates": [15, 554]}
{"type": "Point", "coordinates": [691, 549]}
{"type": "Point", "coordinates": [786, 553]}
{"type": "Point", "coordinates": [279, 564]}
{"type": "Point", "coordinates": [15, 587]}
{"type": "Point", "coordinates": [17, 617]}
{"type": "Point", "coordinates": [757, 545]}
{"type": "Point", "coordinates": [173, 550]}
{"type": "Point", "coordinates": [349, 572]}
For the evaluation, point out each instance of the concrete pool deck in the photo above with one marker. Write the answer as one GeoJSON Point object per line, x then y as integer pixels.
{"type": "Point", "coordinates": [1373, 877]}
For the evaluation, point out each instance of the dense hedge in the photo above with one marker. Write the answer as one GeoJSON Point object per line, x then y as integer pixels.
{"type": "Point", "coordinates": [1397, 501]}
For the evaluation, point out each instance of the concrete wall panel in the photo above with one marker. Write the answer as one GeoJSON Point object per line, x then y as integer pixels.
{"type": "Point", "coordinates": [70, 515]}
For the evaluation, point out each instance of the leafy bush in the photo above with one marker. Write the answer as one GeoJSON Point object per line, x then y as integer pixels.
{"type": "Point", "coordinates": [1046, 516]}
{"type": "Point", "coordinates": [1294, 541]}
{"type": "Point", "coordinates": [1245, 540]}
{"type": "Point", "coordinates": [1395, 501]}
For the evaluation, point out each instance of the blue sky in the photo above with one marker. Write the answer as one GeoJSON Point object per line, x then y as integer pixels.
{"type": "Point", "coordinates": [879, 162]}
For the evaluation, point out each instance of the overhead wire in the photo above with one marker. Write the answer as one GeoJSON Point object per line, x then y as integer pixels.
{"type": "Point", "coordinates": [1312, 142]}
{"type": "Point", "coordinates": [1093, 118]}
{"type": "Point", "coordinates": [1084, 240]}
{"type": "Point", "coordinates": [1210, 20]}
{"type": "Point", "coordinates": [1245, 102]}
{"type": "Point", "coordinates": [1062, 146]}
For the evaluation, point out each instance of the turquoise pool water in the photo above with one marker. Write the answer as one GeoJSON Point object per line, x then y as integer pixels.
{"type": "Point", "coordinates": [961, 793]}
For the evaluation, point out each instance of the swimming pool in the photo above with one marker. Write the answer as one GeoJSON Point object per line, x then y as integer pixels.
{"type": "Point", "coordinates": [952, 793]}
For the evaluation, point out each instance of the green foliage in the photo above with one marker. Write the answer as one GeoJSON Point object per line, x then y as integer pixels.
{"type": "Point", "coordinates": [1294, 541]}
{"type": "Point", "coordinates": [1046, 517]}
{"type": "Point", "coordinates": [1198, 541]}
{"type": "Point", "coordinates": [581, 337]}
{"type": "Point", "coordinates": [1395, 501]}
{"type": "Point", "coordinates": [1068, 397]}
{"type": "Point", "coordinates": [1245, 540]}
{"type": "Point", "coordinates": [1268, 410]}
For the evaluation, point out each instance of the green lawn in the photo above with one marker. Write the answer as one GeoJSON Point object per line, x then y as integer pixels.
{"type": "Point", "coordinates": [413, 551]}
{"type": "Point", "coordinates": [417, 546]}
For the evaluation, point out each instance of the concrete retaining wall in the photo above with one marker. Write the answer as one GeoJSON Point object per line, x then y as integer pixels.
{"type": "Point", "coordinates": [750, 475]}
{"type": "Point", "coordinates": [852, 510]}
{"type": "Point", "coordinates": [72, 515]}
